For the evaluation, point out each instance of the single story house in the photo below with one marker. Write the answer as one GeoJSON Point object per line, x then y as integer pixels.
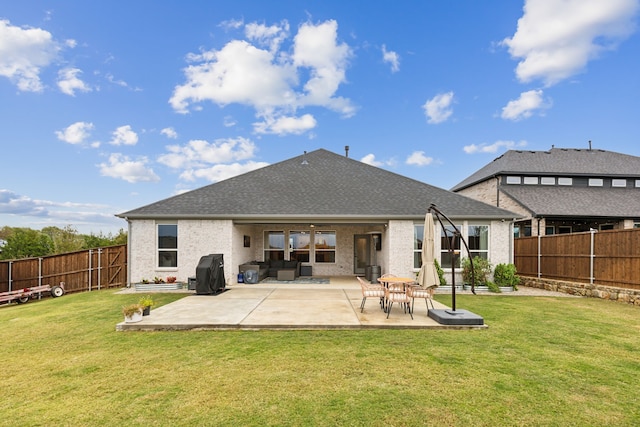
{"type": "Point", "coordinates": [335, 215]}
{"type": "Point", "coordinates": [562, 190]}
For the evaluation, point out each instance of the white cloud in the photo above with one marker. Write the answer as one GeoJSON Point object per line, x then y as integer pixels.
{"type": "Point", "coordinates": [122, 167]}
{"type": "Point", "coordinates": [271, 36]}
{"type": "Point", "coordinates": [51, 212]}
{"type": "Point", "coordinates": [221, 172]}
{"type": "Point", "coordinates": [68, 81]}
{"type": "Point", "coordinates": [16, 204]}
{"type": "Point", "coordinates": [418, 158]}
{"type": "Point", "coordinates": [286, 125]}
{"type": "Point", "coordinates": [76, 133]}
{"type": "Point", "coordinates": [492, 148]}
{"type": "Point", "coordinates": [525, 106]}
{"type": "Point", "coordinates": [198, 154]}
{"type": "Point", "coordinates": [23, 53]}
{"type": "Point", "coordinates": [556, 39]}
{"type": "Point", "coordinates": [124, 135]}
{"type": "Point", "coordinates": [438, 109]}
{"type": "Point", "coordinates": [169, 133]}
{"type": "Point", "coordinates": [232, 24]}
{"type": "Point", "coordinates": [392, 58]}
{"type": "Point", "coordinates": [269, 80]}
{"type": "Point", "coordinates": [229, 121]}
{"type": "Point", "coordinates": [370, 159]}
{"type": "Point", "coordinates": [316, 48]}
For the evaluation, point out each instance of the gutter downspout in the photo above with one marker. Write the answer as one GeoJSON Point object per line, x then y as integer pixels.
{"type": "Point", "coordinates": [497, 191]}
{"type": "Point", "coordinates": [128, 252]}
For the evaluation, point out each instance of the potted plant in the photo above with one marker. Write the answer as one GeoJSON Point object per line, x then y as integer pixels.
{"type": "Point", "coordinates": [171, 279]}
{"type": "Point", "coordinates": [481, 271]}
{"type": "Point", "coordinates": [505, 276]}
{"type": "Point", "coordinates": [158, 280]}
{"type": "Point", "coordinates": [132, 313]}
{"type": "Point", "coordinates": [146, 302]}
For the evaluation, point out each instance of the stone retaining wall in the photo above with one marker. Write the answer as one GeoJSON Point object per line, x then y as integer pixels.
{"type": "Point", "coordinates": [629, 296]}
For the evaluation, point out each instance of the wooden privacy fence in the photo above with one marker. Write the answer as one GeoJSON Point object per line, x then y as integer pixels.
{"type": "Point", "coordinates": [80, 271]}
{"type": "Point", "coordinates": [610, 258]}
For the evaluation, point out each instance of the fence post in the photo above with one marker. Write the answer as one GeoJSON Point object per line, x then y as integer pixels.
{"type": "Point", "coordinates": [10, 280]}
{"type": "Point", "coordinates": [99, 267]}
{"type": "Point", "coordinates": [539, 256]}
{"type": "Point", "coordinates": [40, 271]}
{"type": "Point", "coordinates": [90, 256]}
{"type": "Point", "coordinates": [591, 255]}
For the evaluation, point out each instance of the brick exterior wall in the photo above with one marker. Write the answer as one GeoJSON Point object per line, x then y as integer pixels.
{"type": "Point", "coordinates": [197, 238]}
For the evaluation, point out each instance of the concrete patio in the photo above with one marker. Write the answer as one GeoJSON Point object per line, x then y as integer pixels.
{"type": "Point", "coordinates": [286, 306]}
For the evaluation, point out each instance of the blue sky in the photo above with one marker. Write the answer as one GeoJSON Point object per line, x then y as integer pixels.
{"type": "Point", "coordinates": [109, 106]}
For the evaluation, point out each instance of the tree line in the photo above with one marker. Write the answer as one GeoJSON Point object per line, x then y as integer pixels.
{"type": "Point", "coordinates": [19, 242]}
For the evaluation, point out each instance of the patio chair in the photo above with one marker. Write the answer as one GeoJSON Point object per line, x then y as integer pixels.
{"type": "Point", "coordinates": [416, 291]}
{"type": "Point", "coordinates": [369, 290]}
{"type": "Point", "coordinates": [391, 296]}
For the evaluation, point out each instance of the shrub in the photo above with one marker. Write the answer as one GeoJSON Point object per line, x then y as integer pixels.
{"type": "Point", "coordinates": [481, 270]}
{"type": "Point", "coordinates": [505, 275]}
{"type": "Point", "coordinates": [493, 287]}
{"type": "Point", "coordinates": [443, 281]}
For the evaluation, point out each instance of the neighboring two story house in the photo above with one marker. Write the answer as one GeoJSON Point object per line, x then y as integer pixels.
{"type": "Point", "coordinates": [335, 215]}
{"type": "Point", "coordinates": [561, 190]}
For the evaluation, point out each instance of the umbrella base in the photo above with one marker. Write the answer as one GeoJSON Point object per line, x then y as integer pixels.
{"type": "Point", "coordinates": [455, 317]}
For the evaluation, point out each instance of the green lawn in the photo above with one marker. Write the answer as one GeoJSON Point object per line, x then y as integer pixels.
{"type": "Point", "coordinates": [542, 361]}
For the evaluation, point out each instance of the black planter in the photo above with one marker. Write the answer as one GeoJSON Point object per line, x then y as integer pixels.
{"type": "Point", "coordinates": [146, 311]}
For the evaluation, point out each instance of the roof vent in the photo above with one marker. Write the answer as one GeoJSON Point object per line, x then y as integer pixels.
{"type": "Point", "coordinates": [304, 159]}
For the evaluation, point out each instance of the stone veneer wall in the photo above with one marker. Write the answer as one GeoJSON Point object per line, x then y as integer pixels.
{"type": "Point", "coordinates": [629, 296]}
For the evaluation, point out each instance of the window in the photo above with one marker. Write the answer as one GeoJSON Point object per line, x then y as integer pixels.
{"type": "Point", "coordinates": [564, 229]}
{"type": "Point", "coordinates": [548, 180]}
{"type": "Point", "coordinates": [418, 234]}
{"type": "Point", "coordinates": [531, 180]}
{"type": "Point", "coordinates": [478, 240]}
{"type": "Point", "coordinates": [167, 245]}
{"type": "Point", "coordinates": [618, 182]}
{"type": "Point", "coordinates": [606, 227]}
{"type": "Point", "coordinates": [513, 180]}
{"type": "Point", "coordinates": [299, 245]}
{"type": "Point", "coordinates": [447, 243]}
{"type": "Point", "coordinates": [325, 246]}
{"type": "Point", "coordinates": [637, 183]}
{"type": "Point", "coordinates": [595, 182]}
{"type": "Point", "coordinates": [273, 245]}
{"type": "Point", "coordinates": [549, 230]}
{"type": "Point", "coordinates": [636, 225]}
{"type": "Point", "coordinates": [565, 181]}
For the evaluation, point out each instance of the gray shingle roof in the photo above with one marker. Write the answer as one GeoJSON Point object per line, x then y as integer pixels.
{"type": "Point", "coordinates": [577, 201]}
{"type": "Point", "coordinates": [558, 161]}
{"type": "Point", "coordinates": [330, 186]}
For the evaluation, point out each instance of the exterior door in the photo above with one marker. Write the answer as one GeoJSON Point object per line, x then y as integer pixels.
{"type": "Point", "coordinates": [361, 253]}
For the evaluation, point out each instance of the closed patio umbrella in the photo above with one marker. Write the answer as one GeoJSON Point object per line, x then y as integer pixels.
{"type": "Point", "coordinates": [428, 276]}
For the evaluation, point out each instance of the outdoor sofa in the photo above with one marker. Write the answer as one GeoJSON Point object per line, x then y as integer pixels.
{"type": "Point", "coordinates": [270, 268]}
